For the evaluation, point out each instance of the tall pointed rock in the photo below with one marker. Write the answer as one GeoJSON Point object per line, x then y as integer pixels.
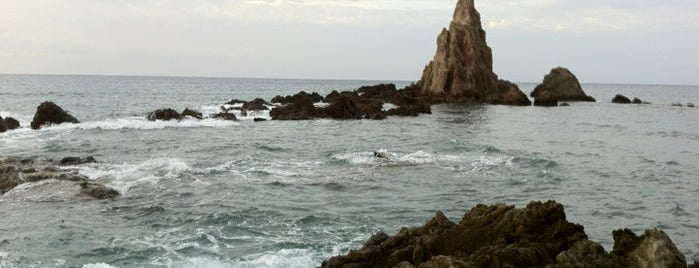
{"type": "Point", "coordinates": [462, 68]}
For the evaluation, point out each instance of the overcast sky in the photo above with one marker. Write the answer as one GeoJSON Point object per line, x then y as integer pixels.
{"type": "Point", "coordinates": [602, 41]}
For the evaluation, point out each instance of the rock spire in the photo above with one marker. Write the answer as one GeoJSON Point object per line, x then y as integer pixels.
{"type": "Point", "coordinates": [462, 68]}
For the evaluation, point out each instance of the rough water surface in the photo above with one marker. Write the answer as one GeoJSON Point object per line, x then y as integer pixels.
{"type": "Point", "coordinates": [216, 193]}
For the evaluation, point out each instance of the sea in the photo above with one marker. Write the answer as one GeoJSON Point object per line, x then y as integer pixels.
{"type": "Point", "coordinates": [213, 193]}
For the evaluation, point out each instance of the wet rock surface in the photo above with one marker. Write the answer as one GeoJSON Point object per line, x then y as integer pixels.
{"type": "Point", "coordinates": [8, 123]}
{"type": "Point", "coordinates": [166, 114]}
{"type": "Point", "coordinates": [503, 236]}
{"type": "Point", "coordinates": [15, 171]}
{"type": "Point", "coordinates": [48, 113]}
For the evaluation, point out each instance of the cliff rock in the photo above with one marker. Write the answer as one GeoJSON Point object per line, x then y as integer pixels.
{"type": "Point", "coordinates": [462, 68]}
{"type": "Point", "coordinates": [49, 113]}
{"type": "Point", "coordinates": [562, 85]}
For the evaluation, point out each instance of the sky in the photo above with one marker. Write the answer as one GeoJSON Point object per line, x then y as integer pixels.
{"type": "Point", "coordinates": [601, 41]}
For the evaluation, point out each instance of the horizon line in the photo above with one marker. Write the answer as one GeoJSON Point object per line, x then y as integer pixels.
{"type": "Point", "coordinates": [316, 79]}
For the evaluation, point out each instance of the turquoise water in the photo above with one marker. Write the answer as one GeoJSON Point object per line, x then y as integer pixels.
{"type": "Point", "coordinates": [290, 194]}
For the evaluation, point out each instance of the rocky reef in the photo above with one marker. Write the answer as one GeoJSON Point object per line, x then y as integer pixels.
{"type": "Point", "coordinates": [14, 172]}
{"type": "Point", "coordinates": [462, 67]}
{"type": "Point", "coordinates": [49, 113]}
{"type": "Point", "coordinates": [504, 236]}
{"type": "Point", "coordinates": [560, 85]}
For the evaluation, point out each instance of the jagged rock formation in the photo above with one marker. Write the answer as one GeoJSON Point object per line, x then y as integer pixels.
{"type": "Point", "coordinates": [14, 172]}
{"type": "Point", "coordinates": [502, 236]}
{"type": "Point", "coordinates": [49, 113]}
{"type": "Point", "coordinates": [561, 85]}
{"type": "Point", "coordinates": [462, 68]}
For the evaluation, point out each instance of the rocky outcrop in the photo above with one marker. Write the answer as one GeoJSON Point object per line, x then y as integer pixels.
{"type": "Point", "coordinates": [192, 113]}
{"type": "Point", "coordinates": [343, 107]}
{"type": "Point", "coordinates": [254, 105]}
{"type": "Point", "coordinates": [462, 68]}
{"type": "Point", "coordinates": [637, 101]}
{"type": "Point", "coordinates": [562, 85]}
{"type": "Point", "coordinates": [14, 172]}
{"type": "Point", "coordinates": [301, 109]}
{"type": "Point", "coordinates": [224, 116]}
{"type": "Point", "coordinates": [621, 99]}
{"type": "Point", "coordinates": [49, 113]}
{"type": "Point", "coordinates": [166, 114]}
{"type": "Point", "coordinates": [503, 236]}
{"type": "Point", "coordinates": [8, 123]}
{"type": "Point", "coordinates": [546, 100]}
{"type": "Point", "coordinates": [315, 97]}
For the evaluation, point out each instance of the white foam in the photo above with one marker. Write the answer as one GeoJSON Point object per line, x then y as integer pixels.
{"type": "Point", "coordinates": [419, 157]}
{"type": "Point", "coordinates": [124, 177]}
{"type": "Point", "coordinates": [143, 123]}
{"type": "Point", "coordinates": [284, 258]}
{"type": "Point", "coordinates": [98, 265]}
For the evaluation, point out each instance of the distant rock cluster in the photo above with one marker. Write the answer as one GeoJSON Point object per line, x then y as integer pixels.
{"type": "Point", "coordinates": [503, 236]}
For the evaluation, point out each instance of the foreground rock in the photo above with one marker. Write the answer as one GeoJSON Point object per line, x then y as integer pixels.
{"type": "Point", "coordinates": [462, 68]}
{"type": "Point", "coordinates": [49, 113]}
{"type": "Point", "coordinates": [502, 236]}
{"type": "Point", "coordinates": [8, 123]}
{"type": "Point", "coordinates": [14, 172]}
{"type": "Point", "coordinates": [562, 85]}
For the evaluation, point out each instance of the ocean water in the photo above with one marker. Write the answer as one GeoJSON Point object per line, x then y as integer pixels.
{"type": "Point", "coordinates": [290, 194]}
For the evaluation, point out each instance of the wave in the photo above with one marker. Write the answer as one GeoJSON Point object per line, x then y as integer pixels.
{"type": "Point", "coordinates": [126, 177]}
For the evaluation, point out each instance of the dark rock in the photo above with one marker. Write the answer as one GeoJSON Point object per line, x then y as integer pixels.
{"type": "Point", "coordinates": [164, 114]}
{"type": "Point", "coordinates": [621, 99]}
{"type": "Point", "coordinates": [562, 85]}
{"type": "Point", "coordinates": [74, 161]}
{"type": "Point", "coordinates": [97, 191]}
{"type": "Point", "coordinates": [192, 113]}
{"type": "Point", "coordinates": [315, 97]}
{"type": "Point", "coordinates": [235, 101]}
{"type": "Point", "coordinates": [14, 172]}
{"type": "Point", "coordinates": [653, 249]}
{"type": "Point", "coordinates": [380, 91]}
{"type": "Point", "coordinates": [637, 101]}
{"type": "Point", "coordinates": [690, 105]}
{"type": "Point", "coordinates": [546, 100]}
{"type": "Point", "coordinates": [410, 110]}
{"type": "Point", "coordinates": [564, 104]}
{"type": "Point", "coordinates": [224, 116]}
{"type": "Point", "coordinates": [8, 123]}
{"type": "Point", "coordinates": [49, 113]}
{"type": "Point", "coordinates": [510, 94]}
{"type": "Point", "coordinates": [301, 109]}
{"type": "Point", "coordinates": [676, 104]}
{"type": "Point", "coordinates": [254, 105]}
{"type": "Point", "coordinates": [502, 236]}
{"type": "Point", "coordinates": [343, 107]}
{"type": "Point", "coordinates": [333, 96]}
{"type": "Point", "coordinates": [259, 119]}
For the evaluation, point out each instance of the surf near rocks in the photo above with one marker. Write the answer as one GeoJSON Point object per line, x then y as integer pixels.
{"type": "Point", "coordinates": [502, 236]}
{"type": "Point", "coordinates": [15, 172]}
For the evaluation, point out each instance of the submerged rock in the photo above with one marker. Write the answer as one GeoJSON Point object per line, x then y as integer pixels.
{"type": "Point", "coordinates": [503, 236]}
{"type": "Point", "coordinates": [621, 99]}
{"type": "Point", "coordinates": [14, 172]}
{"type": "Point", "coordinates": [166, 114]}
{"type": "Point", "coordinates": [48, 113]}
{"type": "Point", "coordinates": [690, 105]}
{"type": "Point", "coordinates": [637, 101]}
{"type": "Point", "coordinates": [562, 85]}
